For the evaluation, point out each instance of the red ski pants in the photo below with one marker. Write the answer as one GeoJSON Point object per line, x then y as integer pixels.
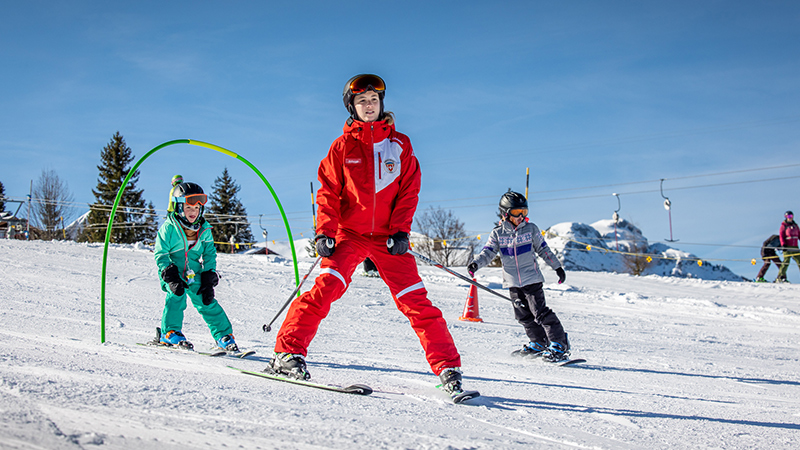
{"type": "Point", "coordinates": [399, 272]}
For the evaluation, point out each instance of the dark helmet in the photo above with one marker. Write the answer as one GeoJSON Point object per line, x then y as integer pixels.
{"type": "Point", "coordinates": [788, 213]}
{"type": "Point", "coordinates": [360, 84]}
{"type": "Point", "coordinates": [512, 200]}
{"type": "Point", "coordinates": [193, 194]}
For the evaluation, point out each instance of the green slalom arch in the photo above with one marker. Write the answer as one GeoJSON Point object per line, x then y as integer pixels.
{"type": "Point", "coordinates": [125, 184]}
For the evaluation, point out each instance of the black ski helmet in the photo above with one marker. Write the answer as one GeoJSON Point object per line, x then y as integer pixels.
{"type": "Point", "coordinates": [365, 82]}
{"type": "Point", "coordinates": [184, 190]}
{"type": "Point", "coordinates": [512, 200]}
{"type": "Point", "coordinates": [788, 213]}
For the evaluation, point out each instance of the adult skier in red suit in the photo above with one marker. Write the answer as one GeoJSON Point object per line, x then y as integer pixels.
{"type": "Point", "coordinates": [369, 190]}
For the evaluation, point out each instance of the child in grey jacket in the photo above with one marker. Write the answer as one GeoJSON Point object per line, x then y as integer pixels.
{"type": "Point", "coordinates": [518, 242]}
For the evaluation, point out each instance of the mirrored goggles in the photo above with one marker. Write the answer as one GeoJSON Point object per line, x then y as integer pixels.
{"type": "Point", "coordinates": [193, 199]}
{"type": "Point", "coordinates": [366, 82]}
{"type": "Point", "coordinates": [789, 216]}
{"type": "Point", "coordinates": [518, 212]}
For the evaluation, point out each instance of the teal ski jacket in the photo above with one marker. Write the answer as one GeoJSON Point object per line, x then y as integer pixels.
{"type": "Point", "coordinates": [172, 247]}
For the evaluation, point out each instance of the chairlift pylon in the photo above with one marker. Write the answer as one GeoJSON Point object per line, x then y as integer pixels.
{"type": "Point", "coordinates": [616, 218]}
{"type": "Point", "coordinates": [668, 207]}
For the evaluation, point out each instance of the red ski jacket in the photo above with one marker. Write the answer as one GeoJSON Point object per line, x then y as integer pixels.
{"type": "Point", "coordinates": [789, 233]}
{"type": "Point", "coordinates": [369, 182]}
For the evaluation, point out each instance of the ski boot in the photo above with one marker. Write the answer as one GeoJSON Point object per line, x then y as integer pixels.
{"type": "Point", "coordinates": [530, 350]}
{"type": "Point", "coordinates": [451, 381]}
{"type": "Point", "coordinates": [557, 351]}
{"type": "Point", "coordinates": [290, 365]}
{"type": "Point", "coordinates": [760, 280]}
{"type": "Point", "coordinates": [175, 338]}
{"type": "Point", "coordinates": [227, 343]}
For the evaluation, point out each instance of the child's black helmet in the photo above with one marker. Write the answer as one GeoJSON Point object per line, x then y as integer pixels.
{"type": "Point", "coordinates": [512, 200]}
{"type": "Point", "coordinates": [192, 194]}
{"type": "Point", "coordinates": [360, 84]}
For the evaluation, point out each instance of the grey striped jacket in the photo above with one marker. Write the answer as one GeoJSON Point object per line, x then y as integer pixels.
{"type": "Point", "coordinates": [518, 247]}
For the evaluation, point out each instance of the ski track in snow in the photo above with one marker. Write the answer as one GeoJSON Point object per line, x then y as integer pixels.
{"type": "Point", "coordinates": [672, 363]}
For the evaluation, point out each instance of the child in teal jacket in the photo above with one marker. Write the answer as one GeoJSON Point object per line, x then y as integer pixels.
{"type": "Point", "coordinates": [187, 262]}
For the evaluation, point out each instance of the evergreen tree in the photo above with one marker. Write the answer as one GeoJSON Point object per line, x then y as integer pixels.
{"type": "Point", "coordinates": [130, 219]}
{"type": "Point", "coordinates": [2, 197]}
{"type": "Point", "coordinates": [226, 214]}
{"type": "Point", "coordinates": [148, 231]}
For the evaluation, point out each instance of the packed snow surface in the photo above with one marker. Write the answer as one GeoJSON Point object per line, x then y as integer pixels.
{"type": "Point", "coordinates": [672, 363]}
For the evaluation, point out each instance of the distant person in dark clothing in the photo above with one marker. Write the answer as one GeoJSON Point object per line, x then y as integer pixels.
{"type": "Point", "coordinates": [369, 269]}
{"type": "Point", "coordinates": [769, 255]}
{"type": "Point", "coordinates": [789, 233]}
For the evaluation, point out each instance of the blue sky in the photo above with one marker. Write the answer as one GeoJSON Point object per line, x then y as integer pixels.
{"type": "Point", "coordinates": [594, 97]}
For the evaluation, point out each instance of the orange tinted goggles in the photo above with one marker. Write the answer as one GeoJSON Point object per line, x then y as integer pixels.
{"type": "Point", "coordinates": [193, 199]}
{"type": "Point", "coordinates": [518, 212]}
{"type": "Point", "coordinates": [366, 82]}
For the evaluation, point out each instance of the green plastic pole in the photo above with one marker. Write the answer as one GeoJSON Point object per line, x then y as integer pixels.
{"type": "Point", "coordinates": [125, 184]}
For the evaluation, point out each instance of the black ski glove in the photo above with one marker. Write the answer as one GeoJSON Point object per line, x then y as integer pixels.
{"type": "Point", "coordinates": [208, 280]}
{"type": "Point", "coordinates": [325, 245]}
{"type": "Point", "coordinates": [561, 275]}
{"type": "Point", "coordinates": [472, 268]}
{"type": "Point", "coordinates": [397, 243]}
{"type": "Point", "coordinates": [172, 277]}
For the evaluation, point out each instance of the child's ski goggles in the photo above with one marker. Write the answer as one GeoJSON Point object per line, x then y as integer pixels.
{"type": "Point", "coordinates": [365, 82]}
{"type": "Point", "coordinates": [192, 199]}
{"type": "Point", "coordinates": [518, 212]}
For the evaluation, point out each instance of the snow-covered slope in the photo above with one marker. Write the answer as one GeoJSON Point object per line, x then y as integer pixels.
{"type": "Point", "coordinates": [672, 363]}
{"type": "Point", "coordinates": [602, 247]}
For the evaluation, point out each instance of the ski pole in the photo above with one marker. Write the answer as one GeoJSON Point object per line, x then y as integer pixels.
{"type": "Point", "coordinates": [268, 327]}
{"type": "Point", "coordinates": [474, 283]}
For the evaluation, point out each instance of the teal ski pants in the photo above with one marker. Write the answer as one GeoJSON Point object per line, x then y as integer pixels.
{"type": "Point", "coordinates": [213, 314]}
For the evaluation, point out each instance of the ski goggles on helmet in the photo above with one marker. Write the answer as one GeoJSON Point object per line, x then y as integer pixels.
{"type": "Point", "coordinates": [363, 83]}
{"type": "Point", "coordinates": [517, 212]}
{"type": "Point", "coordinates": [192, 199]}
{"type": "Point", "coordinates": [789, 215]}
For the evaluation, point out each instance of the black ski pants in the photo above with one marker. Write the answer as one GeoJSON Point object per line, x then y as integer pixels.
{"type": "Point", "coordinates": [540, 322]}
{"type": "Point", "coordinates": [768, 260]}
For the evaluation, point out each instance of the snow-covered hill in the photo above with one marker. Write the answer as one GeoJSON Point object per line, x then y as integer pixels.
{"type": "Point", "coordinates": [602, 247]}
{"type": "Point", "coordinates": [672, 363]}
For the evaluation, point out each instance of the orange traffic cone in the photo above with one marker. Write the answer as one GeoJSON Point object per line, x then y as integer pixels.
{"type": "Point", "coordinates": [471, 313]}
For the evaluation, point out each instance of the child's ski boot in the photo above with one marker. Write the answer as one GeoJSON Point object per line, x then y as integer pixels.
{"type": "Point", "coordinates": [228, 344]}
{"type": "Point", "coordinates": [175, 338]}
{"type": "Point", "coordinates": [530, 350]}
{"type": "Point", "coordinates": [556, 352]}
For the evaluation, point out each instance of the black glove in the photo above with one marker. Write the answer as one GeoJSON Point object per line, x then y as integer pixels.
{"type": "Point", "coordinates": [325, 245]}
{"type": "Point", "coordinates": [397, 243]}
{"type": "Point", "coordinates": [472, 268]}
{"type": "Point", "coordinates": [561, 275]}
{"type": "Point", "coordinates": [172, 277]}
{"type": "Point", "coordinates": [208, 280]}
